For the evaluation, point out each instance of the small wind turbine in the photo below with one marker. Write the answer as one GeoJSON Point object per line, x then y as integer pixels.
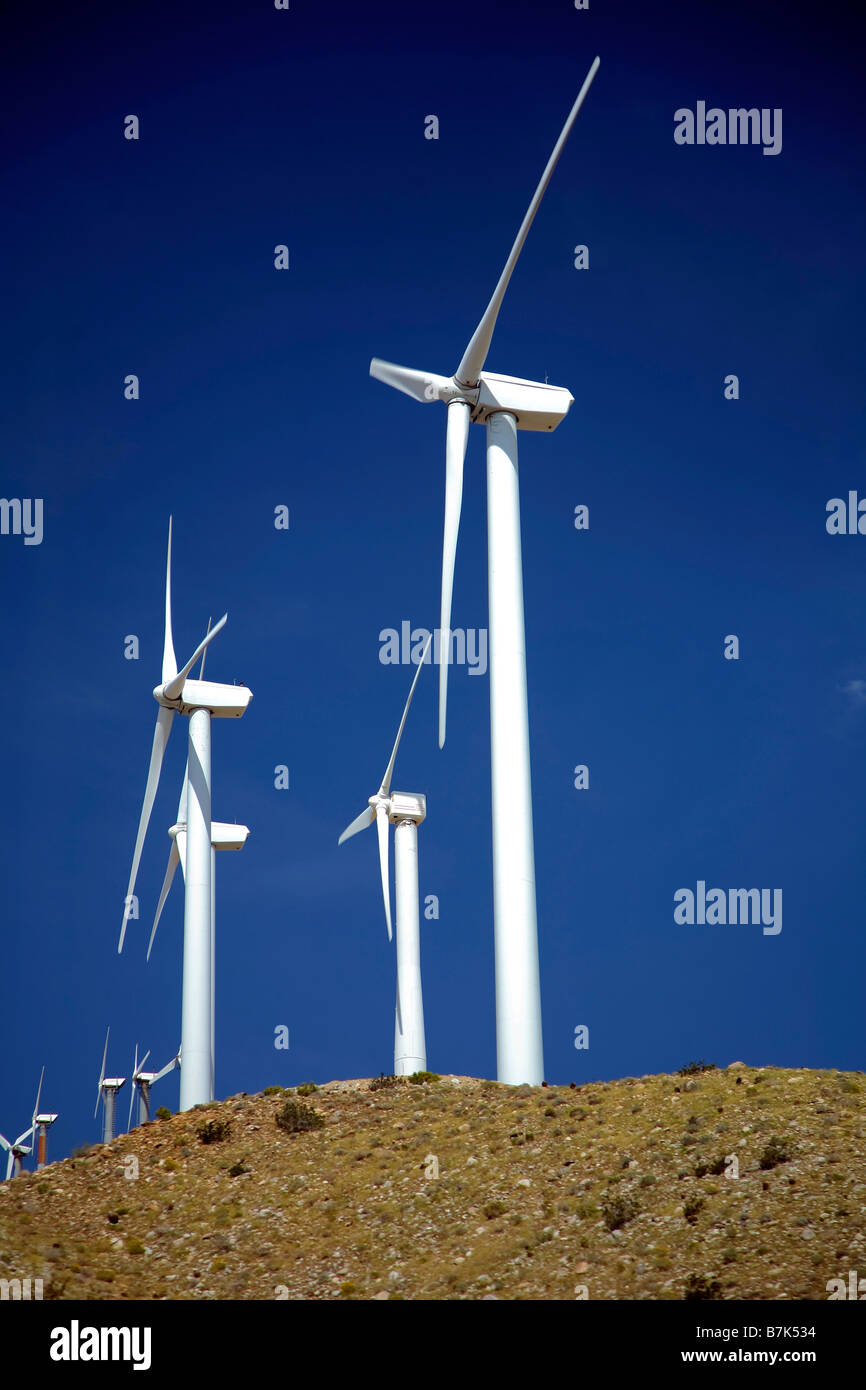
{"type": "Point", "coordinates": [505, 404]}
{"type": "Point", "coordinates": [106, 1091]}
{"type": "Point", "coordinates": [199, 700]}
{"type": "Point", "coordinates": [405, 810]}
{"type": "Point", "coordinates": [19, 1149]}
{"type": "Point", "coordinates": [142, 1081]}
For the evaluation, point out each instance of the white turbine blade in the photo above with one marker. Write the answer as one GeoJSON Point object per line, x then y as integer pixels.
{"type": "Point", "coordinates": [4, 1143]}
{"type": "Point", "coordinates": [389, 770]}
{"type": "Point", "coordinates": [143, 1060]}
{"type": "Point", "coordinates": [171, 689]}
{"type": "Point", "coordinates": [132, 1091]}
{"type": "Point", "coordinates": [38, 1094]}
{"type": "Point", "coordinates": [173, 861]}
{"type": "Point", "coordinates": [359, 823]}
{"type": "Point", "coordinates": [181, 805]}
{"type": "Point", "coordinates": [169, 1066]}
{"type": "Point", "coordinates": [421, 386]}
{"type": "Point", "coordinates": [479, 344]}
{"type": "Point", "coordinates": [20, 1140]}
{"type": "Point", "coordinates": [160, 739]}
{"type": "Point", "coordinates": [382, 827]}
{"type": "Point", "coordinates": [456, 439]}
{"type": "Point", "coordinates": [101, 1073]}
{"type": "Point", "coordinates": [169, 660]}
{"type": "Point", "coordinates": [204, 654]}
{"type": "Point", "coordinates": [180, 841]}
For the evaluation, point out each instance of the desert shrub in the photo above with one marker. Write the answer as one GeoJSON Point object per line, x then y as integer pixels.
{"type": "Point", "coordinates": [775, 1152]}
{"type": "Point", "coordinates": [163, 1113]}
{"type": "Point", "coordinates": [213, 1131]}
{"type": "Point", "coordinates": [691, 1207]}
{"type": "Point", "coordinates": [295, 1117]}
{"type": "Point", "coordinates": [695, 1068]}
{"type": "Point", "coordinates": [418, 1078]}
{"type": "Point", "coordinates": [273, 1090]}
{"type": "Point", "coordinates": [617, 1212]}
{"type": "Point", "coordinates": [236, 1170]}
{"type": "Point", "coordinates": [699, 1286]}
{"type": "Point", "coordinates": [384, 1083]}
{"type": "Point", "coordinates": [307, 1088]}
{"type": "Point", "coordinates": [494, 1209]}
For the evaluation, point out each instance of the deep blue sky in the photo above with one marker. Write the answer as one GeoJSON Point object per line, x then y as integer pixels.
{"type": "Point", "coordinates": [707, 517]}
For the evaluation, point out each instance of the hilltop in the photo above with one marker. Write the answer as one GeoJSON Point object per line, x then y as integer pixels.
{"type": "Point", "coordinates": [610, 1190]}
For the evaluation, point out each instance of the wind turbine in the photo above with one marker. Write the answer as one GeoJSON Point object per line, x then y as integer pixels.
{"type": "Point", "coordinates": [106, 1091]}
{"type": "Point", "coordinates": [404, 810]}
{"type": "Point", "coordinates": [142, 1081]}
{"type": "Point", "coordinates": [199, 700]}
{"type": "Point", "coordinates": [505, 404]}
{"type": "Point", "coordinates": [19, 1149]}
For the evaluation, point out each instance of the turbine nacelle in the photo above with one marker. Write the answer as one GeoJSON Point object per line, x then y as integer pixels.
{"type": "Point", "coordinates": [536, 405]}
{"type": "Point", "coordinates": [407, 806]}
{"type": "Point", "coordinates": [222, 701]}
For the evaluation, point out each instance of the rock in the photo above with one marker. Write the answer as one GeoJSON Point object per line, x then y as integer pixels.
{"type": "Point", "coordinates": [380, 1297]}
{"type": "Point", "coordinates": [524, 1182]}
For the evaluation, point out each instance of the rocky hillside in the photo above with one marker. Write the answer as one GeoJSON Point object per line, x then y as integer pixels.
{"type": "Point", "coordinates": [454, 1188]}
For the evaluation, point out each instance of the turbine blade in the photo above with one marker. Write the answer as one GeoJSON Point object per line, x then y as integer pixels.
{"type": "Point", "coordinates": [479, 344]}
{"type": "Point", "coordinates": [132, 1091]}
{"type": "Point", "coordinates": [169, 660]}
{"type": "Point", "coordinates": [172, 688]}
{"type": "Point", "coordinates": [180, 841]}
{"type": "Point", "coordinates": [421, 386]}
{"type": "Point", "coordinates": [389, 770]}
{"type": "Point", "coordinates": [38, 1094]}
{"type": "Point", "coordinates": [181, 805]}
{"type": "Point", "coordinates": [143, 1060]}
{"type": "Point", "coordinates": [169, 1066]}
{"type": "Point", "coordinates": [456, 439]}
{"type": "Point", "coordinates": [204, 654]}
{"type": "Point", "coordinates": [160, 739]}
{"type": "Point", "coordinates": [101, 1073]}
{"type": "Point", "coordinates": [173, 860]}
{"type": "Point", "coordinates": [382, 827]}
{"type": "Point", "coordinates": [361, 822]}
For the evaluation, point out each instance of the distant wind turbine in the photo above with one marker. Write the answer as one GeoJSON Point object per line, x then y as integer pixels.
{"type": "Point", "coordinates": [142, 1081]}
{"type": "Point", "coordinates": [18, 1149]}
{"type": "Point", "coordinates": [406, 811]}
{"type": "Point", "coordinates": [505, 404]}
{"type": "Point", "coordinates": [106, 1091]}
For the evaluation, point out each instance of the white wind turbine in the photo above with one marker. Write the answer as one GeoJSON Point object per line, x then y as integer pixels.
{"type": "Point", "coordinates": [223, 837]}
{"type": "Point", "coordinates": [199, 700]}
{"type": "Point", "coordinates": [142, 1081]}
{"type": "Point", "coordinates": [106, 1091]}
{"type": "Point", "coordinates": [505, 404]}
{"type": "Point", "coordinates": [18, 1149]}
{"type": "Point", "coordinates": [405, 810]}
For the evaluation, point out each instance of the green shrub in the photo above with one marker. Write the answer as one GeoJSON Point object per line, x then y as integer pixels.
{"type": "Point", "coordinates": [236, 1170]}
{"type": "Point", "coordinates": [418, 1078]}
{"type": "Point", "coordinates": [384, 1083]}
{"type": "Point", "coordinates": [494, 1209]}
{"type": "Point", "coordinates": [691, 1207]}
{"type": "Point", "coordinates": [617, 1212]}
{"type": "Point", "coordinates": [695, 1068]}
{"type": "Point", "coordinates": [308, 1088]}
{"type": "Point", "coordinates": [775, 1152]}
{"type": "Point", "coordinates": [273, 1090]}
{"type": "Point", "coordinates": [163, 1113]}
{"type": "Point", "coordinates": [213, 1131]}
{"type": "Point", "coordinates": [294, 1117]}
{"type": "Point", "coordinates": [698, 1286]}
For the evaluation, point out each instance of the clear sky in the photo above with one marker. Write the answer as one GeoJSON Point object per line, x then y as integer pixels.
{"type": "Point", "coordinates": [707, 516]}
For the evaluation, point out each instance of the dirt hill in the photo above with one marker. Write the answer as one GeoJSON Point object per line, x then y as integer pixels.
{"type": "Point", "coordinates": [605, 1191]}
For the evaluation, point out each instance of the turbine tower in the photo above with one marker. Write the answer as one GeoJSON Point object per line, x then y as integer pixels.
{"type": "Point", "coordinates": [106, 1091]}
{"type": "Point", "coordinates": [504, 404]}
{"type": "Point", "coordinates": [199, 700]}
{"type": "Point", "coordinates": [223, 837]}
{"type": "Point", "coordinates": [405, 811]}
{"type": "Point", "coordinates": [142, 1081]}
